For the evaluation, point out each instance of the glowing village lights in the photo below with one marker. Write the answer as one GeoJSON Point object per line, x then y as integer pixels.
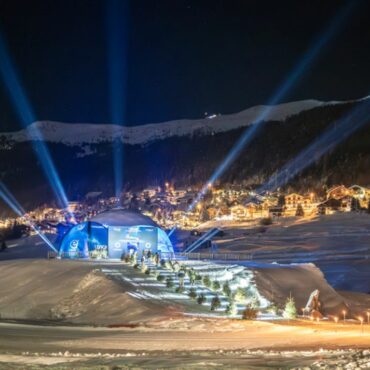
{"type": "Point", "coordinates": [344, 313]}
{"type": "Point", "coordinates": [336, 319]}
{"type": "Point", "coordinates": [336, 133]}
{"type": "Point", "coordinates": [309, 56]}
{"type": "Point", "coordinates": [368, 317]}
{"type": "Point", "coordinates": [17, 208]}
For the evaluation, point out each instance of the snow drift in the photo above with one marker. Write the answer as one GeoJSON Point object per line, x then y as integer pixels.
{"type": "Point", "coordinates": [67, 291]}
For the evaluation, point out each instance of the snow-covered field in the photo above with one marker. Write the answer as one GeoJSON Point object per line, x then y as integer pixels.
{"type": "Point", "coordinates": [338, 244]}
{"type": "Point", "coordinates": [143, 324]}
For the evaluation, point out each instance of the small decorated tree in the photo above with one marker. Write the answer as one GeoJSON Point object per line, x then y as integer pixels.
{"type": "Point", "coordinates": [206, 281]}
{"type": "Point", "coordinates": [169, 282]}
{"type": "Point", "coordinates": [226, 289]}
{"type": "Point", "coordinates": [180, 289]}
{"type": "Point", "coordinates": [290, 310]}
{"type": "Point", "coordinates": [215, 303]}
{"type": "Point", "coordinates": [192, 293]}
{"type": "Point", "coordinates": [216, 285]}
{"type": "Point", "coordinates": [160, 278]}
{"type": "Point", "coordinates": [192, 275]}
{"type": "Point", "coordinates": [198, 278]}
{"type": "Point", "coordinates": [299, 211]}
{"type": "Point", "coordinates": [181, 276]}
{"type": "Point", "coordinates": [201, 298]}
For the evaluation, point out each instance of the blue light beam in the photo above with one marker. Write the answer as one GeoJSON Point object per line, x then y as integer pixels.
{"type": "Point", "coordinates": [25, 112]}
{"type": "Point", "coordinates": [336, 133]}
{"type": "Point", "coordinates": [9, 199]}
{"type": "Point", "coordinates": [279, 94]}
{"type": "Point", "coordinates": [199, 242]}
{"type": "Point", "coordinates": [117, 19]}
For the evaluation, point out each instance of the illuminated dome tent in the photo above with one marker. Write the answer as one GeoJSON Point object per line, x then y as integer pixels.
{"type": "Point", "coordinates": [114, 233]}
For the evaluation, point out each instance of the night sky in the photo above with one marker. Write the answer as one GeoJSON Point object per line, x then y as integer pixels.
{"type": "Point", "coordinates": [184, 58]}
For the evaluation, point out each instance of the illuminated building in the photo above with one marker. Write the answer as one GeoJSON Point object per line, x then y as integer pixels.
{"type": "Point", "coordinates": [114, 233]}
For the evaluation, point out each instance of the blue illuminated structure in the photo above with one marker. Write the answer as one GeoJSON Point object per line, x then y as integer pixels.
{"type": "Point", "coordinates": [117, 18]}
{"type": "Point", "coordinates": [336, 133]}
{"type": "Point", "coordinates": [277, 97]}
{"type": "Point", "coordinates": [27, 116]}
{"type": "Point", "coordinates": [114, 233]}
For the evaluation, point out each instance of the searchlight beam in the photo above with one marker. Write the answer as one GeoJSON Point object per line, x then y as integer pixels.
{"type": "Point", "coordinates": [25, 112]}
{"type": "Point", "coordinates": [17, 208]}
{"type": "Point", "coordinates": [335, 134]}
{"type": "Point", "coordinates": [279, 94]}
{"type": "Point", "coordinates": [117, 17]}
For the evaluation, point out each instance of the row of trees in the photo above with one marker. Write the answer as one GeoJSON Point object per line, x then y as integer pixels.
{"type": "Point", "coordinates": [240, 295]}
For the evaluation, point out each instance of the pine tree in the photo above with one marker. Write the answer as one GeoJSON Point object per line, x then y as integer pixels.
{"type": "Point", "coordinates": [204, 216]}
{"type": "Point", "coordinates": [281, 201]}
{"type": "Point", "coordinates": [192, 293]}
{"type": "Point", "coordinates": [169, 282]}
{"type": "Point", "coordinates": [299, 212]}
{"type": "Point", "coordinates": [201, 298]}
{"type": "Point", "coordinates": [206, 281]}
{"type": "Point", "coordinates": [355, 204]}
{"type": "Point", "coordinates": [215, 303]}
{"type": "Point", "coordinates": [216, 285]}
{"type": "Point", "coordinates": [226, 289]}
{"type": "Point", "coordinates": [290, 310]}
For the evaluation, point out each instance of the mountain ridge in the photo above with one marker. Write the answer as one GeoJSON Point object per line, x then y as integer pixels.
{"type": "Point", "coordinates": [77, 134]}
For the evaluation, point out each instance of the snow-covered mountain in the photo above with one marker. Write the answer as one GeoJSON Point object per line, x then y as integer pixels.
{"type": "Point", "coordinates": [77, 134]}
{"type": "Point", "coordinates": [185, 152]}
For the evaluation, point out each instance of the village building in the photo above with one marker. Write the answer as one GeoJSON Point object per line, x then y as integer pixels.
{"type": "Point", "coordinates": [239, 212]}
{"type": "Point", "coordinates": [334, 205]}
{"type": "Point", "coordinates": [337, 192]}
{"type": "Point", "coordinates": [307, 202]}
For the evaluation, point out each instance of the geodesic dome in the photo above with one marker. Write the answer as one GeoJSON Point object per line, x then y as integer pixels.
{"type": "Point", "coordinates": [114, 233]}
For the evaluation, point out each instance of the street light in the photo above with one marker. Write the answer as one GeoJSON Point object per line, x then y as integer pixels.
{"type": "Point", "coordinates": [344, 312]}
{"type": "Point", "coordinates": [362, 324]}
{"type": "Point", "coordinates": [368, 317]}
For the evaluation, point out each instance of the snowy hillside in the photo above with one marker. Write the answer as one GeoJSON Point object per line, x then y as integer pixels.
{"type": "Point", "coordinates": [83, 133]}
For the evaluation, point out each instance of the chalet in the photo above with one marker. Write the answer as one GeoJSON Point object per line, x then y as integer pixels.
{"type": "Point", "coordinates": [360, 193]}
{"type": "Point", "coordinates": [307, 202]}
{"type": "Point", "coordinates": [337, 192]}
{"type": "Point", "coordinates": [334, 205]}
{"type": "Point", "coordinates": [239, 212]}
